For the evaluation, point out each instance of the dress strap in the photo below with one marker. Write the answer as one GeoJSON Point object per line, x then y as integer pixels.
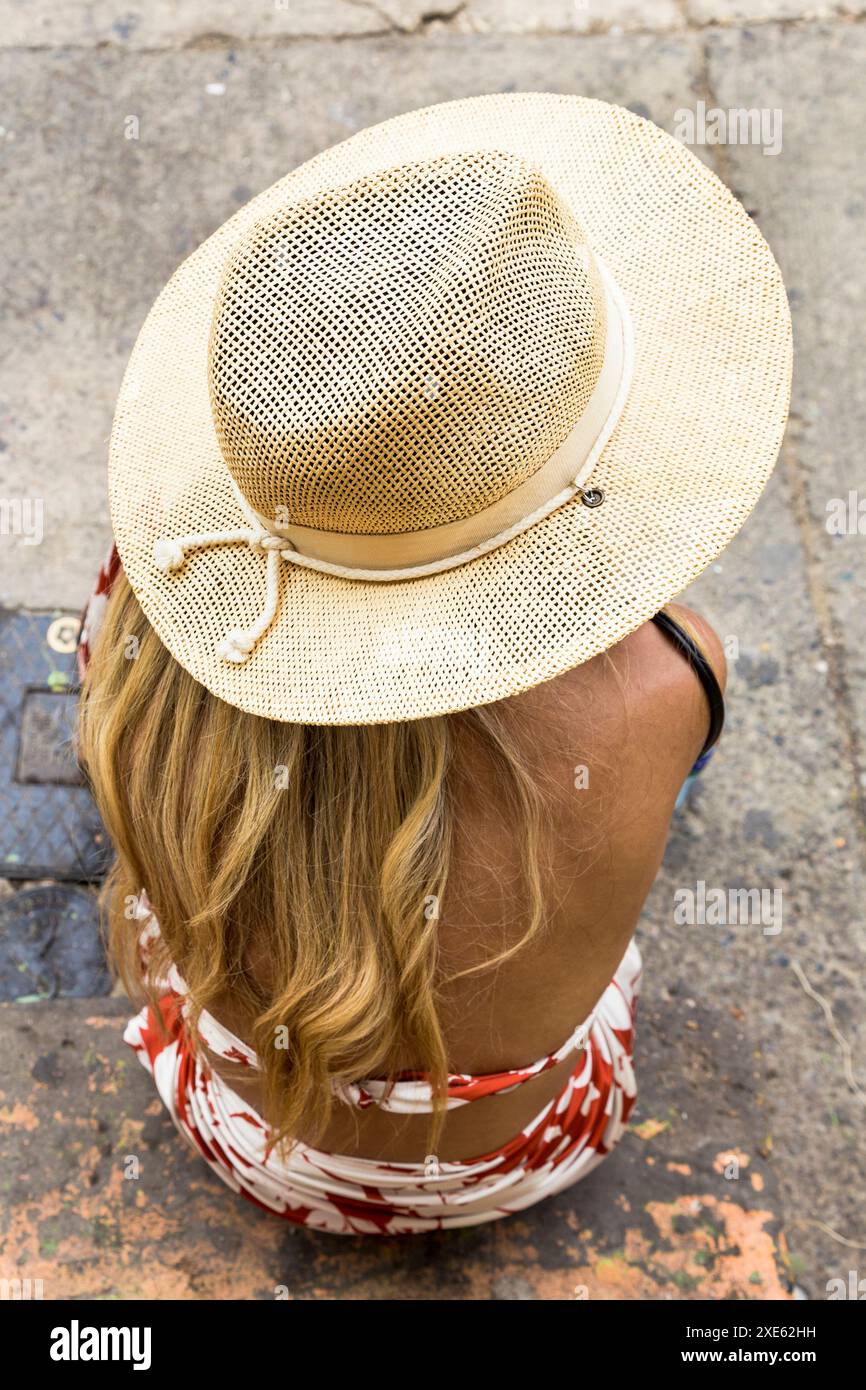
{"type": "Point", "coordinates": [689, 648]}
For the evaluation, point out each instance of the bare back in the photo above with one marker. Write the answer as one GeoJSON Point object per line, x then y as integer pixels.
{"type": "Point", "coordinates": [611, 743]}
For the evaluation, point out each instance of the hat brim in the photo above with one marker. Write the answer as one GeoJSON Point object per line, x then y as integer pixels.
{"type": "Point", "coordinates": [689, 457]}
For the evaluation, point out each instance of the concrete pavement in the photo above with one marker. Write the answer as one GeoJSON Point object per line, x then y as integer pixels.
{"type": "Point", "coordinates": [737, 1060]}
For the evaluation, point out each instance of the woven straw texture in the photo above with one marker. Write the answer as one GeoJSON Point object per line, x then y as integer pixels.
{"type": "Point", "coordinates": [432, 417]}
{"type": "Point", "coordinates": [398, 334]}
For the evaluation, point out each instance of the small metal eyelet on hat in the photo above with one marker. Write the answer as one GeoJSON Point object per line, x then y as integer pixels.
{"type": "Point", "coordinates": [591, 496]}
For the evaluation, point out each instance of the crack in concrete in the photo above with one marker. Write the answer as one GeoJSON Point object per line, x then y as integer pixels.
{"type": "Point", "coordinates": [391, 25]}
{"type": "Point", "coordinates": [832, 646]}
{"type": "Point", "coordinates": [425, 18]}
{"type": "Point", "coordinates": [392, 29]}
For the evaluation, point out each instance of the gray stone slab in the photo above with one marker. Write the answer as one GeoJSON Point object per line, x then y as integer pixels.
{"type": "Point", "coordinates": [85, 269]}
{"type": "Point", "coordinates": [783, 803]}
{"type": "Point", "coordinates": [165, 24]}
{"type": "Point", "coordinates": [775, 812]}
{"type": "Point", "coordinates": [760, 11]}
{"type": "Point", "coordinates": [568, 16]}
{"type": "Point", "coordinates": [813, 204]}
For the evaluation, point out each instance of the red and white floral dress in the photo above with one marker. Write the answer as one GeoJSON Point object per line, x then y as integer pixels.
{"type": "Point", "coordinates": [569, 1136]}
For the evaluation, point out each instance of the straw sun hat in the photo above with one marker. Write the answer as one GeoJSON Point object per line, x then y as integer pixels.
{"type": "Point", "coordinates": [448, 410]}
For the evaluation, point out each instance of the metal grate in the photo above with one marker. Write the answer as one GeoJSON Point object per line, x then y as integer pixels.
{"type": "Point", "coordinates": [49, 826]}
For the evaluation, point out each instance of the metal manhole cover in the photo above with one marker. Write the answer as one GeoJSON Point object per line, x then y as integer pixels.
{"type": "Point", "coordinates": [50, 945]}
{"type": "Point", "coordinates": [49, 826]}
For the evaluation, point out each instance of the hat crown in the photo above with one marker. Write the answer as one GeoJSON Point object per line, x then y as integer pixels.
{"type": "Point", "coordinates": [402, 352]}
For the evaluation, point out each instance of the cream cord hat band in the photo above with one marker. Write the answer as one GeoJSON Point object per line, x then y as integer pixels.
{"type": "Point", "coordinates": [440, 548]}
{"type": "Point", "coordinates": [408, 555]}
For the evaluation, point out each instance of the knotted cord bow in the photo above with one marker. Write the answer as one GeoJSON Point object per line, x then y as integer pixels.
{"type": "Point", "coordinates": [237, 644]}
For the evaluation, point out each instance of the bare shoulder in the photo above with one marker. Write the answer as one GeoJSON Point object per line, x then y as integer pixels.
{"type": "Point", "coordinates": [668, 695]}
{"type": "Point", "coordinates": [641, 700]}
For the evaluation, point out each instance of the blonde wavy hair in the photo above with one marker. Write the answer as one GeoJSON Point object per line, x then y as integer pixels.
{"type": "Point", "coordinates": [291, 867]}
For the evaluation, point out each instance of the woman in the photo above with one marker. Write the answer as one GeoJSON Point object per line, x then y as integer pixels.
{"type": "Point", "coordinates": [388, 711]}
